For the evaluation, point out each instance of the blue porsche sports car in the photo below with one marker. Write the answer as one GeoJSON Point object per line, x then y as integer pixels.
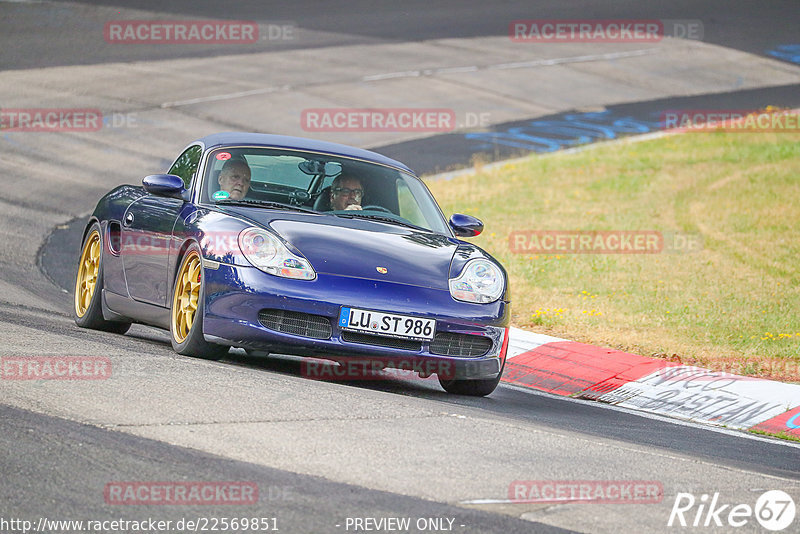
{"type": "Point", "coordinates": [287, 245]}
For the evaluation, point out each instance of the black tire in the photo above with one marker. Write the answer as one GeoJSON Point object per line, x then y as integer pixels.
{"type": "Point", "coordinates": [87, 308]}
{"type": "Point", "coordinates": [471, 388]}
{"type": "Point", "coordinates": [191, 343]}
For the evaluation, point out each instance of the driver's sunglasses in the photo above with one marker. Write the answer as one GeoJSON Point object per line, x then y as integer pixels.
{"type": "Point", "coordinates": [357, 193]}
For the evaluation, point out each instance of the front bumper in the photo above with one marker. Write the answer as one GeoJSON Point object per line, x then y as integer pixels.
{"type": "Point", "coordinates": [236, 295]}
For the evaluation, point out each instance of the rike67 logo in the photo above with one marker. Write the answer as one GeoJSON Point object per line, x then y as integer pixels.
{"type": "Point", "coordinates": [774, 510]}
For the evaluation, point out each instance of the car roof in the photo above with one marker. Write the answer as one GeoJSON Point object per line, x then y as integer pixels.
{"type": "Point", "coordinates": [300, 143]}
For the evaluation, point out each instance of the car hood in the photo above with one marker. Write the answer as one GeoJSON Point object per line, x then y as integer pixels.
{"type": "Point", "coordinates": [363, 249]}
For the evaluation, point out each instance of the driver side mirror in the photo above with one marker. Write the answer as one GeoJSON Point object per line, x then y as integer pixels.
{"type": "Point", "coordinates": [465, 225]}
{"type": "Point", "coordinates": [164, 185]}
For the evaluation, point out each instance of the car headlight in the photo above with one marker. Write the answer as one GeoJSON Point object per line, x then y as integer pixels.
{"type": "Point", "coordinates": [267, 253]}
{"type": "Point", "coordinates": [480, 281]}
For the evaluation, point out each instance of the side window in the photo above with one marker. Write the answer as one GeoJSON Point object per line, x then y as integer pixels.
{"type": "Point", "coordinates": [186, 165]}
{"type": "Point", "coordinates": [409, 209]}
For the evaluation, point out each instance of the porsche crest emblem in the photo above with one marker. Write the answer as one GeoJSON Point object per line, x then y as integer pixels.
{"type": "Point", "coordinates": [382, 270]}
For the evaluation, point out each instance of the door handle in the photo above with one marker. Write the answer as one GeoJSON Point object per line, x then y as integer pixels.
{"type": "Point", "coordinates": [128, 219]}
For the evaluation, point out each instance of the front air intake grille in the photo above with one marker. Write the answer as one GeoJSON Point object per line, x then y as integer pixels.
{"type": "Point", "coordinates": [297, 323]}
{"type": "Point", "coordinates": [381, 341]}
{"type": "Point", "coordinates": [461, 345]}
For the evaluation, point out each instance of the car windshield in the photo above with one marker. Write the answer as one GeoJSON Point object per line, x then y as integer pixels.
{"type": "Point", "coordinates": [290, 179]}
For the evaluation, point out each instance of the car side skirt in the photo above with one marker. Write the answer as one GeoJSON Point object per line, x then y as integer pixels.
{"type": "Point", "coordinates": [120, 308]}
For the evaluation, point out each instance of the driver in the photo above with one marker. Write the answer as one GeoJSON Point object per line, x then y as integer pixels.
{"type": "Point", "coordinates": [235, 178]}
{"type": "Point", "coordinates": [346, 193]}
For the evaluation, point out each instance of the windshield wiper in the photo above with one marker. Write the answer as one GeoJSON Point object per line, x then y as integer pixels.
{"type": "Point", "coordinates": [264, 204]}
{"type": "Point", "coordinates": [381, 218]}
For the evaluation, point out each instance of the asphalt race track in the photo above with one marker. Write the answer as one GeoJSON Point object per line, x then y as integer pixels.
{"type": "Point", "coordinates": [325, 453]}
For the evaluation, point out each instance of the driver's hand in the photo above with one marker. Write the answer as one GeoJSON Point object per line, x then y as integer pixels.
{"type": "Point", "coordinates": [353, 207]}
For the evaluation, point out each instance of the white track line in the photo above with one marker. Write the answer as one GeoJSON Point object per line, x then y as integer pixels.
{"type": "Point", "coordinates": [228, 96]}
{"type": "Point", "coordinates": [423, 72]}
{"type": "Point", "coordinates": [514, 65]}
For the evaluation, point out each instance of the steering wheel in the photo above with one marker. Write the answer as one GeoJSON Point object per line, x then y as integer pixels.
{"type": "Point", "coordinates": [376, 208]}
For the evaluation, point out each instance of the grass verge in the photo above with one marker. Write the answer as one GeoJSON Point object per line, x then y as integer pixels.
{"type": "Point", "coordinates": [781, 435]}
{"type": "Point", "coordinates": [731, 303]}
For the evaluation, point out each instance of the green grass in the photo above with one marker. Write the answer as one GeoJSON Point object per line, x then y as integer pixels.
{"type": "Point", "coordinates": [781, 435]}
{"type": "Point", "coordinates": [733, 305]}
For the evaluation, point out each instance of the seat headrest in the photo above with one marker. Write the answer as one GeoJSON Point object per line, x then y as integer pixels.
{"type": "Point", "coordinates": [323, 202]}
{"type": "Point", "coordinates": [213, 182]}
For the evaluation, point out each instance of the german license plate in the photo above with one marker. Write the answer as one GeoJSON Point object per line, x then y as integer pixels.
{"type": "Point", "coordinates": [386, 324]}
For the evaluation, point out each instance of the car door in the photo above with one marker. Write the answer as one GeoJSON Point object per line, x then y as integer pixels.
{"type": "Point", "coordinates": [147, 228]}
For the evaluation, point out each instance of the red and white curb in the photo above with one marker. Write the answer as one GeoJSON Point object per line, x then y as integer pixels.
{"type": "Point", "coordinates": [568, 368]}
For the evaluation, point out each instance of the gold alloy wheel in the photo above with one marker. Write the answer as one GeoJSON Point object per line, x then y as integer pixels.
{"type": "Point", "coordinates": [187, 296]}
{"type": "Point", "coordinates": [87, 273]}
